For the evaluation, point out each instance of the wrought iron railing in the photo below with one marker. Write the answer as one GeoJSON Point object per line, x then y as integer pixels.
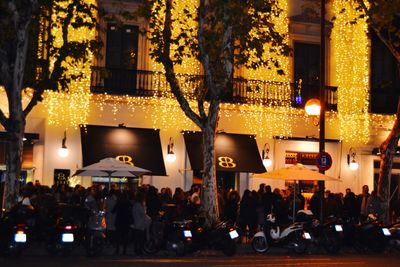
{"type": "Point", "coordinates": [241, 90]}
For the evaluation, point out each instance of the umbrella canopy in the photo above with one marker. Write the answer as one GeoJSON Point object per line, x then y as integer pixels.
{"type": "Point", "coordinates": [111, 167]}
{"type": "Point", "coordinates": [296, 172]}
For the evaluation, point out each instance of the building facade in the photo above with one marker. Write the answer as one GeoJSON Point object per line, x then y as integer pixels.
{"type": "Point", "coordinates": [126, 88]}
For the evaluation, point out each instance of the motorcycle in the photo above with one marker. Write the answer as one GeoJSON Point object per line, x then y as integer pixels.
{"type": "Point", "coordinates": [94, 237]}
{"type": "Point", "coordinates": [327, 235]}
{"type": "Point", "coordinates": [223, 236]}
{"type": "Point", "coordinates": [63, 238]}
{"type": "Point", "coordinates": [292, 236]}
{"type": "Point", "coordinates": [179, 239]}
{"type": "Point", "coordinates": [370, 235]}
{"type": "Point", "coordinates": [395, 236]}
{"type": "Point", "coordinates": [14, 229]}
{"type": "Point", "coordinates": [174, 236]}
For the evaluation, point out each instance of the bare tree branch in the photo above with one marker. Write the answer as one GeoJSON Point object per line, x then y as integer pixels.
{"type": "Point", "coordinates": [204, 58]}
{"type": "Point", "coordinates": [227, 46]}
{"type": "Point", "coordinates": [4, 120]}
{"type": "Point", "coordinates": [169, 68]}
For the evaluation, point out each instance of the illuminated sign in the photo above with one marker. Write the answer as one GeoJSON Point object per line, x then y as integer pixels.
{"type": "Point", "coordinates": [226, 162]}
{"type": "Point", "coordinates": [125, 159]}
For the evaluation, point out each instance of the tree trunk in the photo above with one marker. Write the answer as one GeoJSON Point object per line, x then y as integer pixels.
{"type": "Point", "coordinates": [13, 161]}
{"type": "Point", "coordinates": [388, 149]}
{"type": "Point", "coordinates": [209, 197]}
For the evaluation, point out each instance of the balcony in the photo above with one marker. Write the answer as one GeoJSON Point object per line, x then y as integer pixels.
{"type": "Point", "coordinates": [244, 91]}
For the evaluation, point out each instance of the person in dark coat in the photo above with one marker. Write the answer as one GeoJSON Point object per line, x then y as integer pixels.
{"type": "Point", "coordinates": [247, 213]}
{"type": "Point", "coordinates": [314, 205]}
{"type": "Point", "coordinates": [362, 203]}
{"type": "Point", "coordinates": [153, 202]}
{"type": "Point", "coordinates": [267, 199]}
{"type": "Point", "coordinates": [232, 206]}
{"type": "Point", "coordinates": [123, 219]}
{"type": "Point", "coordinates": [279, 207]}
{"type": "Point", "coordinates": [332, 207]}
{"type": "Point", "coordinates": [350, 204]}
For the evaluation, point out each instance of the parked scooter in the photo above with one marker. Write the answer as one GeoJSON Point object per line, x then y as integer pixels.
{"type": "Point", "coordinates": [327, 235]}
{"type": "Point", "coordinates": [395, 236]}
{"type": "Point", "coordinates": [292, 236]}
{"type": "Point", "coordinates": [63, 238]}
{"type": "Point", "coordinates": [370, 235]}
{"type": "Point", "coordinates": [14, 235]}
{"type": "Point", "coordinates": [222, 236]}
{"type": "Point", "coordinates": [173, 236]}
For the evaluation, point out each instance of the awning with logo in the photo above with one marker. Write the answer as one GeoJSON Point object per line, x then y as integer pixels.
{"type": "Point", "coordinates": [234, 152]}
{"type": "Point", "coordinates": [138, 146]}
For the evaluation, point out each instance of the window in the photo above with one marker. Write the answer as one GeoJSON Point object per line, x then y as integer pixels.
{"type": "Point", "coordinates": [121, 59]}
{"type": "Point", "coordinates": [385, 80]}
{"type": "Point", "coordinates": [306, 69]}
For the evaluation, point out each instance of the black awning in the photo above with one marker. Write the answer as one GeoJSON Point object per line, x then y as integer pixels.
{"type": "Point", "coordinates": [142, 147]}
{"type": "Point", "coordinates": [234, 152]}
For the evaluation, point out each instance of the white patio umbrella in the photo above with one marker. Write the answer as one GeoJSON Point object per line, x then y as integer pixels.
{"type": "Point", "coordinates": [294, 173]}
{"type": "Point", "coordinates": [110, 167]}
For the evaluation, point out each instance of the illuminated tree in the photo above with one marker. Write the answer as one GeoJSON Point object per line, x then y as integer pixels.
{"type": "Point", "coordinates": [29, 57]}
{"type": "Point", "coordinates": [383, 17]}
{"type": "Point", "coordinates": [228, 33]}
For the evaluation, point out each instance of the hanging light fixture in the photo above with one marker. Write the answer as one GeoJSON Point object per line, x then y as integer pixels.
{"type": "Point", "coordinates": [313, 109]}
{"type": "Point", "coordinates": [63, 150]}
{"type": "Point", "coordinates": [267, 162]}
{"type": "Point", "coordinates": [171, 157]}
{"type": "Point", "coordinates": [351, 160]}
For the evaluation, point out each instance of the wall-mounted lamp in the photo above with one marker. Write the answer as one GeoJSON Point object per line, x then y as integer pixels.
{"type": "Point", "coordinates": [313, 108]}
{"type": "Point", "coordinates": [63, 150]}
{"type": "Point", "coordinates": [171, 157]}
{"type": "Point", "coordinates": [351, 159]}
{"type": "Point", "coordinates": [267, 162]}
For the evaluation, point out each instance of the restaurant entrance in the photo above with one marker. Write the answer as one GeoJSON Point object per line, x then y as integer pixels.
{"type": "Point", "coordinates": [227, 181]}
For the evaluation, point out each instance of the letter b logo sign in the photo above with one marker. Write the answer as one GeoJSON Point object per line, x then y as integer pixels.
{"type": "Point", "coordinates": [125, 159]}
{"type": "Point", "coordinates": [226, 162]}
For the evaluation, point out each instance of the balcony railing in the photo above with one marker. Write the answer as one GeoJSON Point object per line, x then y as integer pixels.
{"type": "Point", "coordinates": [245, 91]}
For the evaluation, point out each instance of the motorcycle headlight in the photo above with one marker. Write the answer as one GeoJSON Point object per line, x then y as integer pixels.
{"type": "Point", "coordinates": [187, 233]}
{"type": "Point", "coordinates": [306, 235]}
{"type": "Point", "coordinates": [233, 234]}
{"type": "Point", "coordinates": [386, 232]}
{"type": "Point", "coordinates": [20, 237]}
{"type": "Point", "coordinates": [338, 228]}
{"type": "Point", "coordinates": [67, 237]}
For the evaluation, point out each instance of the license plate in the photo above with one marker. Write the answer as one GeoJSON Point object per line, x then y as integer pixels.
{"type": "Point", "coordinates": [386, 232]}
{"type": "Point", "coordinates": [233, 234]}
{"type": "Point", "coordinates": [306, 235]}
{"type": "Point", "coordinates": [187, 233]}
{"type": "Point", "coordinates": [338, 228]}
{"type": "Point", "coordinates": [67, 237]}
{"type": "Point", "coordinates": [20, 238]}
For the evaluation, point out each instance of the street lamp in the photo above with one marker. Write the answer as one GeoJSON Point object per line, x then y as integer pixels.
{"type": "Point", "coordinates": [63, 150]}
{"type": "Point", "coordinates": [353, 164]}
{"type": "Point", "coordinates": [267, 162]}
{"type": "Point", "coordinates": [321, 184]}
{"type": "Point", "coordinates": [171, 157]}
{"type": "Point", "coordinates": [313, 107]}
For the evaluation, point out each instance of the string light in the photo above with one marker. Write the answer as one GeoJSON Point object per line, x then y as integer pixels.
{"type": "Point", "coordinates": [70, 108]}
{"type": "Point", "coordinates": [350, 58]}
{"type": "Point", "coordinates": [268, 111]}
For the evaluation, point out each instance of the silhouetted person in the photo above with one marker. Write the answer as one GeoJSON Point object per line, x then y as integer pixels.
{"type": "Point", "coordinates": [123, 219]}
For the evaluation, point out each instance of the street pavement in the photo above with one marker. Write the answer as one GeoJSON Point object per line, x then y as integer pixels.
{"type": "Point", "coordinates": [37, 257]}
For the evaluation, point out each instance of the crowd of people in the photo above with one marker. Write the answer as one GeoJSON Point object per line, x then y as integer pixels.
{"type": "Point", "coordinates": [134, 209]}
